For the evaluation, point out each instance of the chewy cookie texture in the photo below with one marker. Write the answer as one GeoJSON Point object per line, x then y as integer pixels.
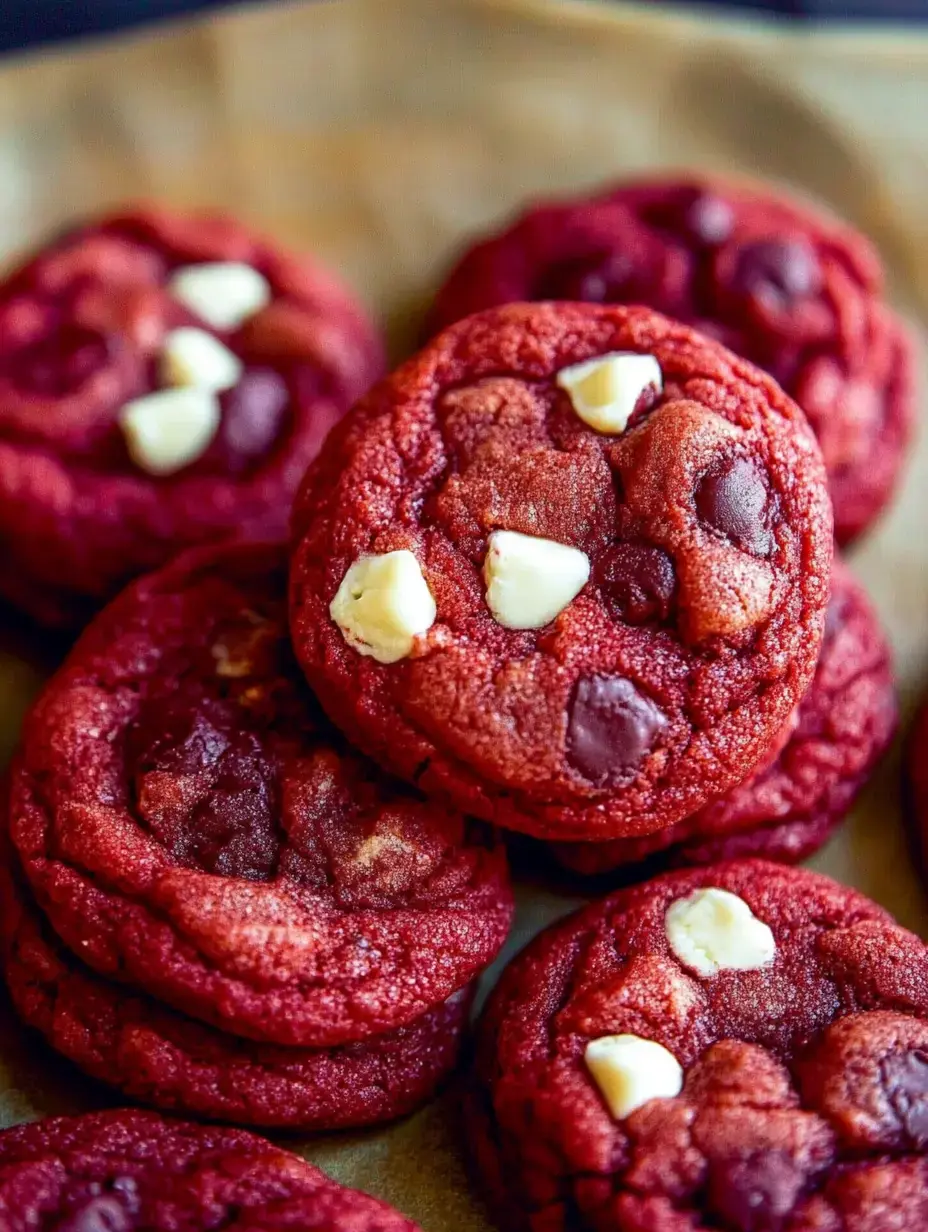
{"type": "Point", "coordinates": [243, 918]}
{"type": "Point", "coordinates": [793, 290]}
{"type": "Point", "coordinates": [125, 1170]}
{"type": "Point", "coordinates": [567, 567]}
{"type": "Point", "coordinates": [789, 808]}
{"type": "Point", "coordinates": [743, 1047]}
{"type": "Point", "coordinates": [164, 382]}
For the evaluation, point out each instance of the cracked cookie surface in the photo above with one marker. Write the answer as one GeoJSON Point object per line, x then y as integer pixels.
{"type": "Point", "coordinates": [125, 1170]}
{"type": "Point", "coordinates": [796, 292]}
{"type": "Point", "coordinates": [802, 1104]}
{"type": "Point", "coordinates": [96, 323]}
{"type": "Point", "coordinates": [162, 1058]}
{"type": "Point", "coordinates": [663, 678]}
{"type": "Point", "coordinates": [192, 826]}
{"type": "Point", "coordinates": [842, 727]}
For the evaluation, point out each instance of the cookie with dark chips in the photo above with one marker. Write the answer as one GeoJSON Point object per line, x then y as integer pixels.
{"type": "Point", "coordinates": [124, 1170]}
{"type": "Point", "coordinates": [742, 1047]}
{"type": "Point", "coordinates": [567, 567]}
{"type": "Point", "coordinates": [164, 382]}
{"type": "Point", "coordinates": [839, 732]}
{"type": "Point", "coordinates": [793, 290]}
{"type": "Point", "coordinates": [192, 826]}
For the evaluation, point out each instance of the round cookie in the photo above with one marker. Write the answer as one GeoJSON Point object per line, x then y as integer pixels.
{"type": "Point", "coordinates": [164, 382]}
{"type": "Point", "coordinates": [124, 1170]}
{"type": "Point", "coordinates": [192, 826]}
{"type": "Point", "coordinates": [841, 729]}
{"type": "Point", "coordinates": [567, 567]}
{"type": "Point", "coordinates": [796, 292]}
{"type": "Point", "coordinates": [741, 1047]}
{"type": "Point", "coordinates": [160, 1057]}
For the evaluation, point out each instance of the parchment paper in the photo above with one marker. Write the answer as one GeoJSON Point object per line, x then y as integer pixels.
{"type": "Point", "coordinates": [378, 135]}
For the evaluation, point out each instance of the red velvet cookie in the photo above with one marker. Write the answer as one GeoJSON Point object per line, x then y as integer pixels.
{"type": "Point", "coordinates": [193, 827]}
{"type": "Point", "coordinates": [164, 382]}
{"type": "Point", "coordinates": [124, 1170]}
{"type": "Point", "coordinates": [841, 729]}
{"type": "Point", "coordinates": [796, 292]}
{"type": "Point", "coordinates": [567, 567]}
{"type": "Point", "coordinates": [160, 1057]}
{"type": "Point", "coordinates": [741, 1047]}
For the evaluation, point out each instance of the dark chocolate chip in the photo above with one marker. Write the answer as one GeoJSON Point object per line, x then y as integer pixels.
{"type": "Point", "coordinates": [756, 1192]}
{"type": "Point", "coordinates": [104, 1214]}
{"type": "Point", "coordinates": [708, 219]}
{"type": "Point", "coordinates": [783, 271]}
{"type": "Point", "coordinates": [253, 413]}
{"type": "Point", "coordinates": [905, 1081]}
{"type": "Point", "coordinates": [595, 280]}
{"type": "Point", "coordinates": [611, 727]}
{"type": "Point", "coordinates": [639, 581]}
{"type": "Point", "coordinates": [733, 498]}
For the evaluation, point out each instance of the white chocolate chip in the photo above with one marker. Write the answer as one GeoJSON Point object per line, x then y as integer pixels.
{"type": "Point", "coordinates": [194, 357]}
{"type": "Point", "coordinates": [531, 580]}
{"type": "Point", "coordinates": [168, 430]}
{"type": "Point", "coordinates": [224, 294]}
{"type": "Point", "coordinates": [712, 930]}
{"type": "Point", "coordinates": [605, 390]}
{"type": "Point", "coordinates": [630, 1070]}
{"type": "Point", "coordinates": [383, 605]}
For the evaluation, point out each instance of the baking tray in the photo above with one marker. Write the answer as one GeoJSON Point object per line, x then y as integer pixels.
{"type": "Point", "coordinates": [380, 135]}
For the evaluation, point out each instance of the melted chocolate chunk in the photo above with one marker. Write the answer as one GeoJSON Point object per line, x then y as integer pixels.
{"type": "Point", "coordinates": [905, 1079]}
{"type": "Point", "coordinates": [733, 498]}
{"type": "Point", "coordinates": [253, 413]}
{"type": "Point", "coordinates": [780, 270]}
{"type": "Point", "coordinates": [638, 580]}
{"type": "Point", "coordinates": [103, 1214]}
{"type": "Point", "coordinates": [593, 280]}
{"type": "Point", "coordinates": [755, 1193]}
{"type": "Point", "coordinates": [611, 727]}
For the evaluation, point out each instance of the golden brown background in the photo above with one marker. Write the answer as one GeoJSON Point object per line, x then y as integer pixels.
{"type": "Point", "coordinates": [378, 135]}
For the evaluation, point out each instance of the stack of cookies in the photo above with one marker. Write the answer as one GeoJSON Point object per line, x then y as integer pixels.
{"type": "Point", "coordinates": [568, 573]}
{"type": "Point", "coordinates": [212, 902]}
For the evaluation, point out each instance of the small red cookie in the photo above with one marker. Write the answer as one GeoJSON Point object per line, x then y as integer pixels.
{"type": "Point", "coordinates": [784, 1091]}
{"type": "Point", "coordinates": [160, 1057]}
{"type": "Point", "coordinates": [192, 826]}
{"type": "Point", "coordinates": [841, 729]}
{"type": "Point", "coordinates": [795, 291]}
{"type": "Point", "coordinates": [125, 1170]}
{"type": "Point", "coordinates": [647, 621]}
{"type": "Point", "coordinates": [90, 495]}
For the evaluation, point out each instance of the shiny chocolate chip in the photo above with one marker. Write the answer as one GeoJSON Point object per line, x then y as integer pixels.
{"type": "Point", "coordinates": [733, 498]}
{"type": "Point", "coordinates": [638, 580]}
{"type": "Point", "coordinates": [611, 728]}
{"type": "Point", "coordinates": [783, 271]}
{"type": "Point", "coordinates": [904, 1077]}
{"type": "Point", "coordinates": [253, 413]}
{"type": "Point", "coordinates": [708, 219]}
{"type": "Point", "coordinates": [593, 280]}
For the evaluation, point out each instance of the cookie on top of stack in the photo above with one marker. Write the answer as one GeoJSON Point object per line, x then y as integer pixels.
{"type": "Point", "coordinates": [214, 903]}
